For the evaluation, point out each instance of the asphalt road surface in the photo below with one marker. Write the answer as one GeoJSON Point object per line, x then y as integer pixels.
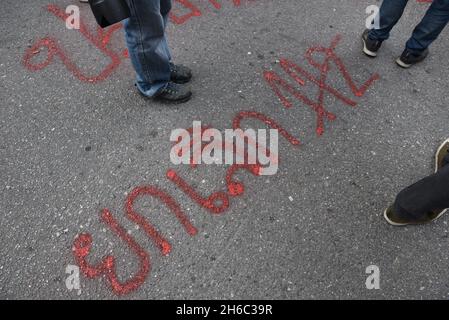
{"type": "Point", "coordinates": [76, 138]}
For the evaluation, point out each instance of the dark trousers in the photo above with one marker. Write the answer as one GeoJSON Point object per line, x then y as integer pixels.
{"type": "Point", "coordinates": [425, 32]}
{"type": "Point", "coordinates": [428, 194]}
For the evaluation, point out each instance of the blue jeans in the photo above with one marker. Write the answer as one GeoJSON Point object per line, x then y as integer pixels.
{"type": "Point", "coordinates": [425, 32]}
{"type": "Point", "coordinates": [147, 44]}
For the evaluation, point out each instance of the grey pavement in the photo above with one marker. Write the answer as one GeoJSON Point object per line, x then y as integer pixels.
{"type": "Point", "coordinates": [69, 148]}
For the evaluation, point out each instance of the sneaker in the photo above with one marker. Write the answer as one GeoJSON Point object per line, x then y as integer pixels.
{"type": "Point", "coordinates": [180, 74]}
{"type": "Point", "coordinates": [393, 219]}
{"type": "Point", "coordinates": [370, 47]}
{"type": "Point", "coordinates": [173, 93]}
{"type": "Point", "coordinates": [408, 58]}
{"type": "Point", "coordinates": [442, 151]}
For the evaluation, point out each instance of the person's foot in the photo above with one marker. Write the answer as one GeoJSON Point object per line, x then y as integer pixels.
{"type": "Point", "coordinates": [442, 151]}
{"type": "Point", "coordinates": [370, 47]}
{"type": "Point", "coordinates": [173, 93]}
{"type": "Point", "coordinates": [408, 58]}
{"type": "Point", "coordinates": [180, 74]}
{"type": "Point", "coordinates": [394, 219]}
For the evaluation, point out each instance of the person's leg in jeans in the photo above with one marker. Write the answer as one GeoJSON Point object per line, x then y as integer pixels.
{"type": "Point", "coordinates": [165, 10]}
{"type": "Point", "coordinates": [428, 30]}
{"type": "Point", "coordinates": [390, 12]}
{"type": "Point", "coordinates": [425, 200]}
{"type": "Point", "coordinates": [149, 52]}
{"type": "Point", "coordinates": [145, 37]}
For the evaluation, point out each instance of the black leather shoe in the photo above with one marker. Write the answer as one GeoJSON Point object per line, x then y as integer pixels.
{"type": "Point", "coordinates": [370, 47]}
{"type": "Point", "coordinates": [408, 58]}
{"type": "Point", "coordinates": [180, 74]}
{"type": "Point", "coordinates": [173, 93]}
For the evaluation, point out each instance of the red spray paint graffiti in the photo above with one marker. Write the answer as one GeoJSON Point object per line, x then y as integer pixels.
{"type": "Point", "coordinates": [218, 202]}
{"type": "Point", "coordinates": [242, 153]}
{"type": "Point", "coordinates": [195, 11]}
{"type": "Point", "coordinates": [83, 244]}
{"type": "Point", "coordinates": [295, 72]}
{"type": "Point", "coordinates": [100, 41]}
{"type": "Point", "coordinates": [163, 244]}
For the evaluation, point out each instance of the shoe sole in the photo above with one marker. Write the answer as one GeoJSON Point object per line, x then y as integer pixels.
{"type": "Point", "coordinates": [436, 168]}
{"type": "Point", "coordinates": [396, 224]}
{"type": "Point", "coordinates": [369, 53]}
{"type": "Point", "coordinates": [392, 222]}
{"type": "Point", "coordinates": [438, 151]}
{"type": "Point", "coordinates": [402, 64]}
{"type": "Point", "coordinates": [439, 216]}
